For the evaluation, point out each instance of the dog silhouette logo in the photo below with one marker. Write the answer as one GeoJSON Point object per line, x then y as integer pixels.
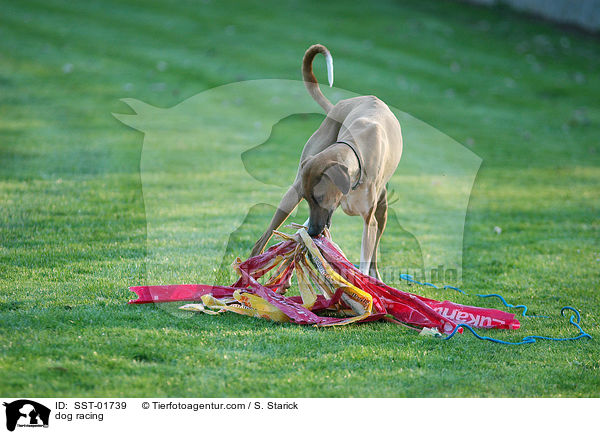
{"type": "Point", "coordinates": [223, 145]}
{"type": "Point", "coordinates": [26, 413]}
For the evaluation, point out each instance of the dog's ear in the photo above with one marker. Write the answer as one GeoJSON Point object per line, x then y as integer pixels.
{"type": "Point", "coordinates": [306, 161]}
{"type": "Point", "coordinates": [340, 176]}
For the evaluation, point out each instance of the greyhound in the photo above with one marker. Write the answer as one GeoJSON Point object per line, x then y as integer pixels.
{"type": "Point", "coordinates": [346, 162]}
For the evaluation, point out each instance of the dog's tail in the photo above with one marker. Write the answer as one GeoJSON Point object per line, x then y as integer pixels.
{"type": "Point", "coordinates": [310, 81]}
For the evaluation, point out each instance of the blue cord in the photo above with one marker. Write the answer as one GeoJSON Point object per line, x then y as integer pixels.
{"type": "Point", "coordinates": [409, 278]}
{"type": "Point", "coordinates": [526, 339]}
{"type": "Point", "coordinates": [520, 306]}
{"type": "Point", "coordinates": [529, 339]}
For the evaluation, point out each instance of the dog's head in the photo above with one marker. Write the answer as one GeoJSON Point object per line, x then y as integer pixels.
{"type": "Point", "coordinates": [324, 183]}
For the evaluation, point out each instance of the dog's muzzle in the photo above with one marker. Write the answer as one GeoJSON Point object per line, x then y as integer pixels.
{"type": "Point", "coordinates": [318, 221]}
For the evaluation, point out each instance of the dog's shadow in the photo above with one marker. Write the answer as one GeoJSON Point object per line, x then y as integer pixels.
{"type": "Point", "coordinates": [275, 161]}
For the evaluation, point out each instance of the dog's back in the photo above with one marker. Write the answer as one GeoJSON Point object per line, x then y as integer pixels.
{"type": "Point", "coordinates": [365, 121]}
{"type": "Point", "coordinates": [370, 125]}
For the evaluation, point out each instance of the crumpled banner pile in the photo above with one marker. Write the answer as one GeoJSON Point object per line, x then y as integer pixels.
{"type": "Point", "coordinates": [327, 281]}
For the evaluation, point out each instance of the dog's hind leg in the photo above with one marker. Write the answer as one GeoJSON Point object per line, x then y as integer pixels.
{"type": "Point", "coordinates": [288, 203]}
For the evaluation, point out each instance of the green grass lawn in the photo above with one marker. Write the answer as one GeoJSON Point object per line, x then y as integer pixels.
{"type": "Point", "coordinates": [522, 94]}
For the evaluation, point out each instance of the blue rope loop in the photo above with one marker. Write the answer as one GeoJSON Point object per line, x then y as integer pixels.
{"type": "Point", "coordinates": [529, 339]}
{"type": "Point", "coordinates": [520, 306]}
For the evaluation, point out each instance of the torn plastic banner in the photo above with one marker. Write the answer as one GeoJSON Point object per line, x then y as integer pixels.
{"type": "Point", "coordinates": [327, 282]}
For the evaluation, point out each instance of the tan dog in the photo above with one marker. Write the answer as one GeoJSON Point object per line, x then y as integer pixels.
{"type": "Point", "coordinates": [346, 162]}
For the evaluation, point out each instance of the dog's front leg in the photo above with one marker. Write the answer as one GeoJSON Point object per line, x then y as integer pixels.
{"type": "Point", "coordinates": [381, 217]}
{"type": "Point", "coordinates": [369, 240]}
{"type": "Point", "coordinates": [288, 203]}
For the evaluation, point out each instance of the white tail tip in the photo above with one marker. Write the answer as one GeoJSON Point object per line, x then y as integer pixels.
{"type": "Point", "coordinates": [329, 61]}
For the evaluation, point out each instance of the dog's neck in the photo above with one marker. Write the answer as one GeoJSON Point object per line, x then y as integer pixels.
{"type": "Point", "coordinates": [342, 153]}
